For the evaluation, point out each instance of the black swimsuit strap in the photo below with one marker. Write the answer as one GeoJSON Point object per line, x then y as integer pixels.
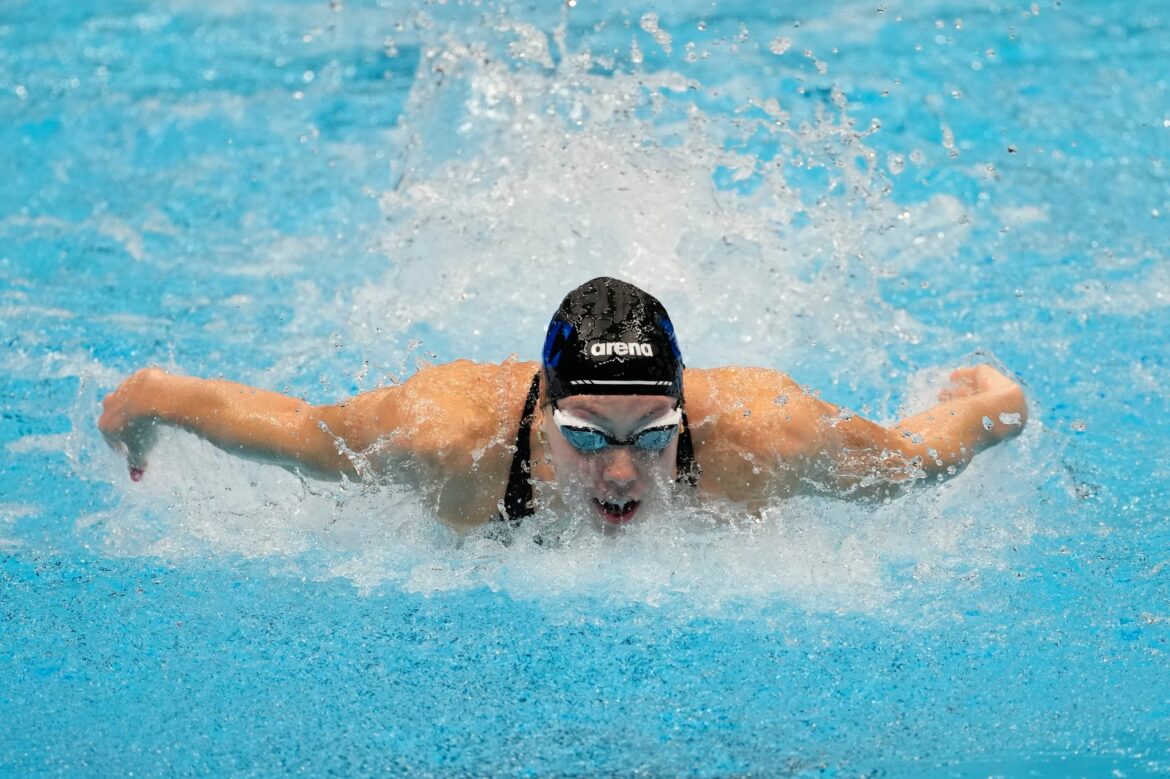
{"type": "Point", "coordinates": [684, 462]}
{"type": "Point", "coordinates": [518, 493]}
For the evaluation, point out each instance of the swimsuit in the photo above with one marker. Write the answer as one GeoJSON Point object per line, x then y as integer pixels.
{"type": "Point", "coordinates": [518, 494]}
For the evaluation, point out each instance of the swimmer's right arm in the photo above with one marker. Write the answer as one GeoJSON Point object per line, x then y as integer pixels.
{"type": "Point", "coordinates": [245, 421]}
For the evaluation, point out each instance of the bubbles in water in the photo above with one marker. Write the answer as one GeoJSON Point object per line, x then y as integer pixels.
{"type": "Point", "coordinates": [649, 23]}
{"type": "Point", "coordinates": [948, 140]}
{"type": "Point", "coordinates": [636, 55]}
{"type": "Point", "coordinates": [780, 45]}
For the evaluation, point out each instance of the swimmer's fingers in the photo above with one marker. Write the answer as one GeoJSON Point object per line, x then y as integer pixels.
{"type": "Point", "coordinates": [963, 385]}
{"type": "Point", "coordinates": [138, 446]}
{"type": "Point", "coordinates": [114, 442]}
{"type": "Point", "coordinates": [976, 380]}
{"type": "Point", "coordinates": [134, 443]}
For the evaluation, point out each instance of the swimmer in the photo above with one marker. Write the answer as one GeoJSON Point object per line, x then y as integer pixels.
{"type": "Point", "coordinates": [609, 425]}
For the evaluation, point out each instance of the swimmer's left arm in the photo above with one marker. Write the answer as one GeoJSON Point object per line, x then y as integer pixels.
{"type": "Point", "coordinates": [854, 457]}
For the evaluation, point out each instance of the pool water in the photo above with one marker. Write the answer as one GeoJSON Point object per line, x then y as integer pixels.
{"type": "Point", "coordinates": [315, 197]}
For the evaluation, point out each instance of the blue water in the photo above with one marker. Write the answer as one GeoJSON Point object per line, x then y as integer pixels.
{"type": "Point", "coordinates": [313, 197]}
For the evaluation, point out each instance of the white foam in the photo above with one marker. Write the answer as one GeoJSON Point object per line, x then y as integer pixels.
{"type": "Point", "coordinates": [821, 554]}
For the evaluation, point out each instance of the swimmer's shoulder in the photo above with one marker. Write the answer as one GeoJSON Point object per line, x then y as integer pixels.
{"type": "Point", "coordinates": [749, 428]}
{"type": "Point", "coordinates": [469, 402]}
{"type": "Point", "coordinates": [459, 422]}
{"type": "Point", "coordinates": [726, 392]}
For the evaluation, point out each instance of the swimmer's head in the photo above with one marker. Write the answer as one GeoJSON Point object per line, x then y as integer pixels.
{"type": "Point", "coordinates": [613, 378]}
{"type": "Point", "coordinates": [610, 338]}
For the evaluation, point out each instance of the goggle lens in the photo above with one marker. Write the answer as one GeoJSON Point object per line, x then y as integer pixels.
{"type": "Point", "coordinates": [586, 438]}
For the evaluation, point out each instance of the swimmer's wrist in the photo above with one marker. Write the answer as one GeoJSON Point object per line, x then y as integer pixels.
{"type": "Point", "coordinates": [157, 397]}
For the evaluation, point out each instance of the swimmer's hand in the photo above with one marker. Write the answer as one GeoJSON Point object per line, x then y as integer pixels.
{"type": "Point", "coordinates": [128, 423]}
{"type": "Point", "coordinates": [997, 397]}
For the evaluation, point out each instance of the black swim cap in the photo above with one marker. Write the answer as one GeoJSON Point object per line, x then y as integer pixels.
{"type": "Point", "coordinates": [611, 338]}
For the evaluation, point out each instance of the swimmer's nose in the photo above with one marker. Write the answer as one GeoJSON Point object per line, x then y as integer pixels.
{"type": "Point", "coordinates": [619, 466]}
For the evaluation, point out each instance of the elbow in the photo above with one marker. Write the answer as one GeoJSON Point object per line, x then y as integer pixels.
{"type": "Point", "coordinates": [875, 475]}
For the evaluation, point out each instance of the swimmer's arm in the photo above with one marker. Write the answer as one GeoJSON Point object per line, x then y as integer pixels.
{"type": "Point", "coordinates": [319, 441]}
{"type": "Point", "coordinates": [853, 457]}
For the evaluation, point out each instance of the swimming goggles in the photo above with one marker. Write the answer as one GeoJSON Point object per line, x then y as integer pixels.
{"type": "Point", "coordinates": [584, 437]}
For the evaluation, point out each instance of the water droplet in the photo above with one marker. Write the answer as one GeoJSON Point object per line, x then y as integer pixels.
{"type": "Point", "coordinates": [780, 45]}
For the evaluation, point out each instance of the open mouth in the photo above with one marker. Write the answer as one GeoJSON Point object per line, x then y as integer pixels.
{"type": "Point", "coordinates": [616, 512]}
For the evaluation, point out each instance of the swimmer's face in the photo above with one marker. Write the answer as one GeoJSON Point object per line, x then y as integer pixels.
{"type": "Point", "coordinates": [614, 484]}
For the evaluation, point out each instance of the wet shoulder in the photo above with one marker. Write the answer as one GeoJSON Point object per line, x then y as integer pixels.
{"type": "Point", "coordinates": [747, 430]}
{"type": "Point", "coordinates": [732, 393]}
{"type": "Point", "coordinates": [476, 403]}
{"type": "Point", "coordinates": [465, 417]}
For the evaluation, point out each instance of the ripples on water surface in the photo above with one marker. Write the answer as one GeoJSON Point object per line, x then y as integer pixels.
{"type": "Point", "coordinates": [313, 197]}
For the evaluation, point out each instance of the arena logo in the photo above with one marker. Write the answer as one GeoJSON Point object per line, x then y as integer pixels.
{"type": "Point", "coordinates": [608, 349]}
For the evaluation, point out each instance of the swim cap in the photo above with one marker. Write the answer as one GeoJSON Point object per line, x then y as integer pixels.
{"type": "Point", "coordinates": [611, 338]}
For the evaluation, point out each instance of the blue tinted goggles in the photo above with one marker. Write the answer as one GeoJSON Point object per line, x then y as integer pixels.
{"type": "Point", "coordinates": [585, 437]}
